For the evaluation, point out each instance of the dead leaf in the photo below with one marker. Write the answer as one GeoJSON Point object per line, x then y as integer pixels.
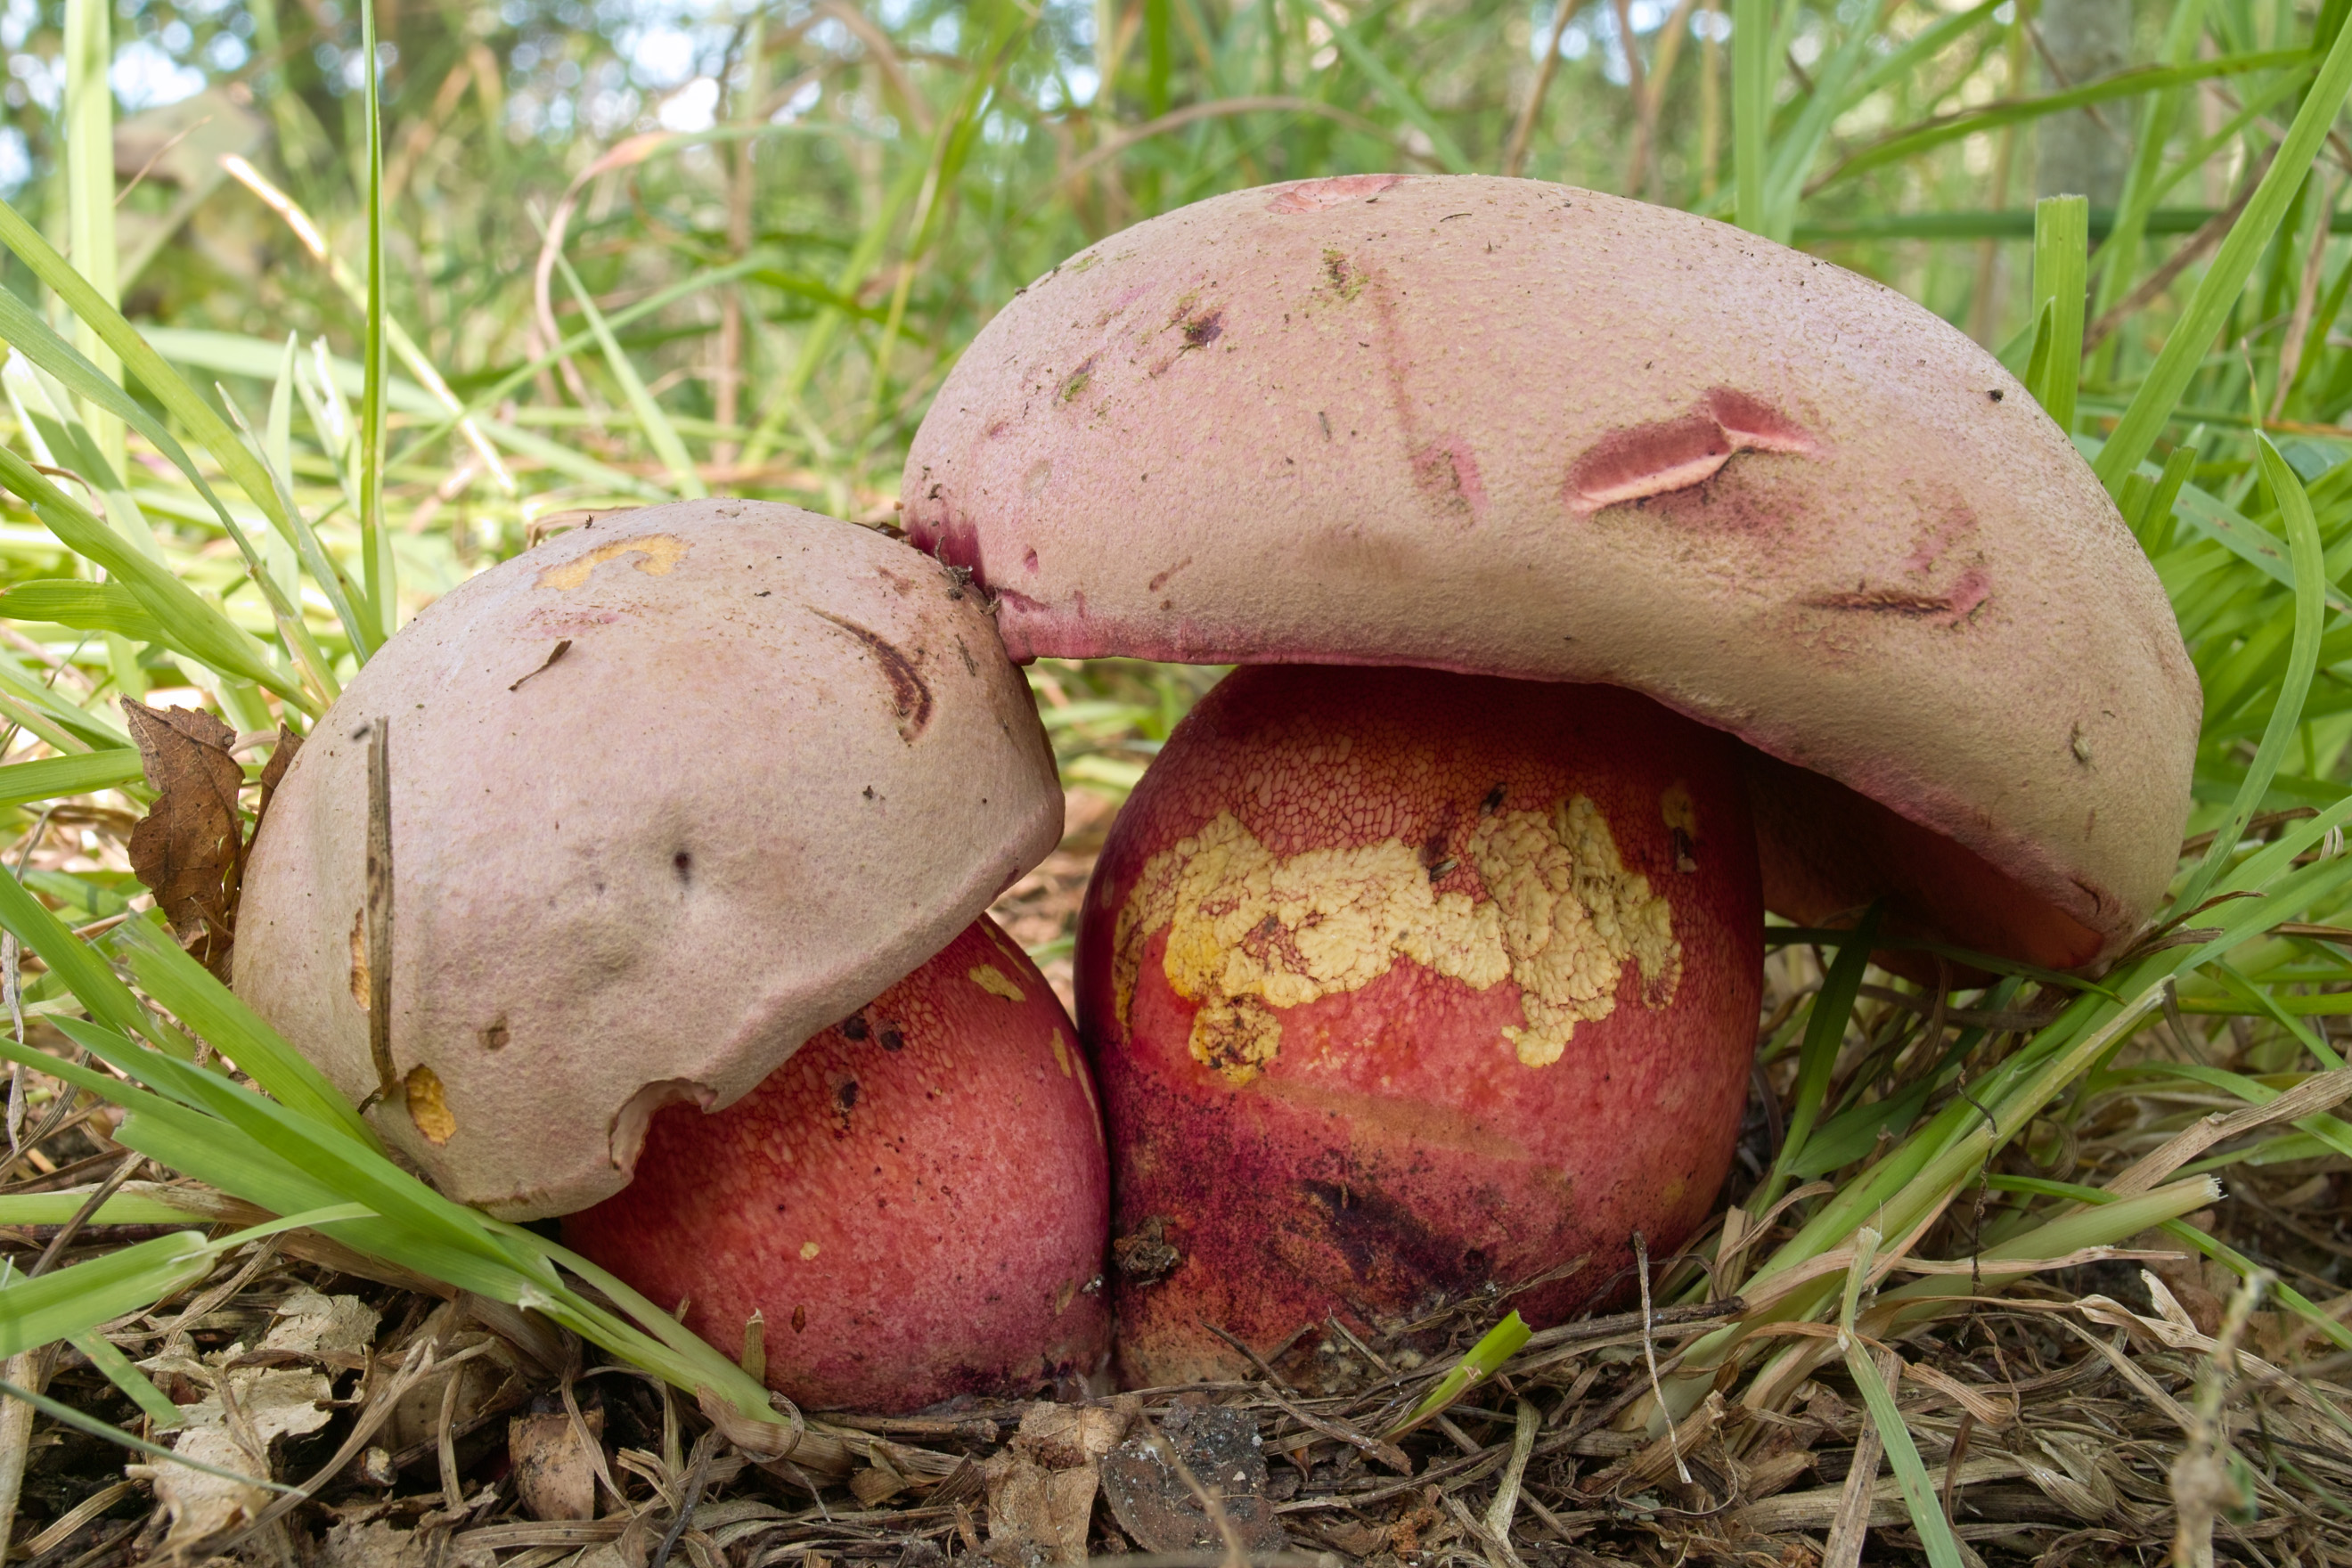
{"type": "Point", "coordinates": [189, 848]}
{"type": "Point", "coordinates": [248, 1408]}
{"type": "Point", "coordinates": [1034, 1513]}
{"type": "Point", "coordinates": [381, 1544]}
{"type": "Point", "coordinates": [1061, 1436]}
{"type": "Point", "coordinates": [1153, 1503]}
{"type": "Point", "coordinates": [554, 1472]}
{"type": "Point", "coordinates": [1040, 1488]}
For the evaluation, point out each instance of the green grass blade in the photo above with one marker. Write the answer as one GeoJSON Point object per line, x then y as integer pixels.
{"type": "Point", "coordinates": [180, 400]}
{"type": "Point", "coordinates": [82, 605]}
{"type": "Point", "coordinates": [285, 605]}
{"type": "Point", "coordinates": [166, 972]}
{"type": "Point", "coordinates": [109, 1359]}
{"type": "Point", "coordinates": [194, 624]}
{"type": "Point", "coordinates": [650, 418]}
{"type": "Point", "coordinates": [1904, 145]}
{"type": "Point", "coordinates": [39, 709]}
{"type": "Point", "coordinates": [2216, 292]}
{"type": "Point", "coordinates": [83, 1295]}
{"type": "Point", "coordinates": [1753, 78]}
{"type": "Point", "coordinates": [65, 1415]}
{"type": "Point", "coordinates": [57, 1209]}
{"type": "Point", "coordinates": [52, 777]}
{"type": "Point", "coordinates": [2062, 249]}
{"type": "Point", "coordinates": [380, 574]}
{"type": "Point", "coordinates": [1391, 88]}
{"type": "Point", "coordinates": [1825, 1029]}
{"type": "Point", "coordinates": [278, 552]}
{"type": "Point", "coordinates": [352, 1170]}
{"type": "Point", "coordinates": [71, 960]}
{"type": "Point", "coordinates": [1793, 153]}
{"type": "Point", "coordinates": [1910, 1473]}
{"type": "Point", "coordinates": [89, 186]}
{"type": "Point", "coordinates": [2286, 715]}
{"type": "Point", "coordinates": [1478, 1364]}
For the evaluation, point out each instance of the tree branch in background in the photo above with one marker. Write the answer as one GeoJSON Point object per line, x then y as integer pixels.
{"type": "Point", "coordinates": [2208, 234]}
{"type": "Point", "coordinates": [1642, 172]}
{"type": "Point", "coordinates": [1515, 153]}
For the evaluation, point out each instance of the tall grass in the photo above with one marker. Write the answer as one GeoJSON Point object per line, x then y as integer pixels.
{"type": "Point", "coordinates": [442, 306]}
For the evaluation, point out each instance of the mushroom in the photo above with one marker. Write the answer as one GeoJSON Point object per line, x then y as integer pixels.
{"type": "Point", "coordinates": [915, 1204]}
{"type": "Point", "coordinates": [1505, 428]}
{"type": "Point", "coordinates": [669, 794]}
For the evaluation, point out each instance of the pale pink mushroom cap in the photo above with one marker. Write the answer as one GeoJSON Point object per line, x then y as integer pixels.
{"type": "Point", "coordinates": [1515, 428]}
{"type": "Point", "coordinates": [779, 761]}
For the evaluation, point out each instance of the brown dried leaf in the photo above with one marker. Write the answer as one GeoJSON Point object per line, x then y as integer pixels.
{"type": "Point", "coordinates": [273, 774]}
{"type": "Point", "coordinates": [1035, 1512]}
{"type": "Point", "coordinates": [189, 848]}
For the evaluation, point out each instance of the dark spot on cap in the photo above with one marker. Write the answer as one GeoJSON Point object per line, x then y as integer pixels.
{"type": "Point", "coordinates": [853, 1027]}
{"type": "Point", "coordinates": [1994, 395]}
{"type": "Point", "coordinates": [846, 1095]}
{"type": "Point", "coordinates": [1494, 801]}
{"type": "Point", "coordinates": [892, 1040]}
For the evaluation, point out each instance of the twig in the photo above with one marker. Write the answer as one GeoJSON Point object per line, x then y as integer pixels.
{"type": "Point", "coordinates": [1507, 1492]}
{"type": "Point", "coordinates": [2205, 238]}
{"type": "Point", "coordinates": [1515, 153]}
{"type": "Point", "coordinates": [379, 905]}
{"type": "Point", "coordinates": [705, 1448]}
{"type": "Point", "coordinates": [2202, 1487]}
{"type": "Point", "coordinates": [1650, 1356]}
{"type": "Point", "coordinates": [1210, 1499]}
{"type": "Point", "coordinates": [1851, 1528]}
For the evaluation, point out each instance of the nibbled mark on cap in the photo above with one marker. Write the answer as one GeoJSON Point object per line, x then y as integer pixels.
{"type": "Point", "coordinates": [911, 697]}
{"type": "Point", "coordinates": [1676, 454]}
{"type": "Point", "coordinates": [656, 554]}
{"type": "Point", "coordinates": [1446, 471]}
{"type": "Point", "coordinates": [1321, 195]}
{"type": "Point", "coordinates": [1950, 607]}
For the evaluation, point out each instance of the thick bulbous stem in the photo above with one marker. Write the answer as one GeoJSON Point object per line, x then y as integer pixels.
{"type": "Point", "coordinates": [915, 1203]}
{"type": "Point", "coordinates": [1405, 986]}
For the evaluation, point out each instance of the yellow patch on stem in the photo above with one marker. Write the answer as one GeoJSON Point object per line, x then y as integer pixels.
{"type": "Point", "coordinates": [993, 980]}
{"type": "Point", "coordinates": [655, 553]}
{"type": "Point", "coordinates": [1250, 933]}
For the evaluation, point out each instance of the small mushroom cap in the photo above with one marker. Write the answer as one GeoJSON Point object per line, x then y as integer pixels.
{"type": "Point", "coordinates": [670, 793]}
{"type": "Point", "coordinates": [1515, 428]}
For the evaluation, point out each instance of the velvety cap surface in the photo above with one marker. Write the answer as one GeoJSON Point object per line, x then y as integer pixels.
{"type": "Point", "coordinates": [670, 793]}
{"type": "Point", "coordinates": [1515, 428]}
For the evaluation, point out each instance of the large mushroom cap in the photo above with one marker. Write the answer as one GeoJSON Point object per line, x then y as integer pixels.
{"type": "Point", "coordinates": [1514, 428]}
{"type": "Point", "coordinates": [670, 793]}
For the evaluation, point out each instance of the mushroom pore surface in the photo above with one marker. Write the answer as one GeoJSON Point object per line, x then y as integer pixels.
{"type": "Point", "coordinates": [916, 1203]}
{"type": "Point", "coordinates": [666, 796]}
{"type": "Point", "coordinates": [1401, 984]}
{"type": "Point", "coordinates": [1508, 428]}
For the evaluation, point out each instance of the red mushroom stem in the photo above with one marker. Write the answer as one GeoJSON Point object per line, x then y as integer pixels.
{"type": "Point", "coordinates": [1404, 987]}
